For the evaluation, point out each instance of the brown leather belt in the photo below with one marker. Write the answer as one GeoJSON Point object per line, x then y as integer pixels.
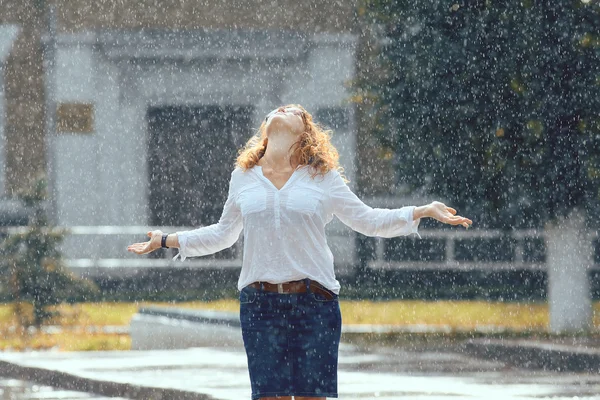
{"type": "Point", "coordinates": [293, 287]}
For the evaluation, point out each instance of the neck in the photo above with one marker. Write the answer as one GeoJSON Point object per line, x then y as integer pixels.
{"type": "Point", "coordinates": [278, 155]}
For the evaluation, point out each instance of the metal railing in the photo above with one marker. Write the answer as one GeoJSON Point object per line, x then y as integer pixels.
{"type": "Point", "coordinates": [101, 250]}
{"type": "Point", "coordinates": [108, 250]}
{"type": "Point", "coordinates": [449, 261]}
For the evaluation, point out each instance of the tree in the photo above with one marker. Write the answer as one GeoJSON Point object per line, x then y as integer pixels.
{"type": "Point", "coordinates": [494, 106]}
{"type": "Point", "coordinates": [32, 268]}
{"type": "Point", "coordinates": [491, 105]}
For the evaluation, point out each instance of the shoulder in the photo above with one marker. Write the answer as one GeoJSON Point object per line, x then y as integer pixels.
{"type": "Point", "coordinates": [236, 176]}
{"type": "Point", "coordinates": [333, 175]}
{"type": "Point", "coordinates": [315, 173]}
{"type": "Point", "coordinates": [328, 181]}
{"type": "Point", "coordinates": [240, 178]}
{"type": "Point", "coordinates": [237, 172]}
{"type": "Point", "coordinates": [240, 173]}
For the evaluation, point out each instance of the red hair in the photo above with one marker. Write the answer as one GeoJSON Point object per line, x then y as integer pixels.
{"type": "Point", "coordinates": [313, 147]}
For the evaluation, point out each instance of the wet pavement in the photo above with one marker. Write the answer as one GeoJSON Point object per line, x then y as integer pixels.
{"type": "Point", "coordinates": [15, 389]}
{"type": "Point", "coordinates": [379, 373]}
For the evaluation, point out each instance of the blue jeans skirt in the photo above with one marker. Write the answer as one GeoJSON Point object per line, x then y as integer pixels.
{"type": "Point", "coordinates": [292, 342]}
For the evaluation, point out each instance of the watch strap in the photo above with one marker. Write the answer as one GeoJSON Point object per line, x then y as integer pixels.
{"type": "Point", "coordinates": [163, 241]}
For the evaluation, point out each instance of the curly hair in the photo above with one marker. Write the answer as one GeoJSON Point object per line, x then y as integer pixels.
{"type": "Point", "coordinates": [313, 147]}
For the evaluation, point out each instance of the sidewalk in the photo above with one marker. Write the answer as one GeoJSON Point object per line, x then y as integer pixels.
{"type": "Point", "coordinates": [205, 360]}
{"type": "Point", "coordinates": [220, 373]}
{"type": "Point", "coordinates": [575, 354]}
{"type": "Point", "coordinates": [168, 328]}
{"type": "Point", "coordinates": [15, 389]}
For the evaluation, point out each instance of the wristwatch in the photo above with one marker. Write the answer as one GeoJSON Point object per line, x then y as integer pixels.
{"type": "Point", "coordinates": [163, 241]}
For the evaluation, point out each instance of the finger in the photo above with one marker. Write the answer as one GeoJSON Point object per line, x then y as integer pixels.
{"type": "Point", "coordinates": [460, 217]}
{"type": "Point", "coordinates": [149, 234]}
{"type": "Point", "coordinates": [451, 210]}
{"type": "Point", "coordinates": [138, 247]}
{"type": "Point", "coordinates": [134, 249]}
{"type": "Point", "coordinates": [138, 244]}
{"type": "Point", "coordinates": [467, 220]}
{"type": "Point", "coordinates": [457, 220]}
{"type": "Point", "coordinates": [140, 250]}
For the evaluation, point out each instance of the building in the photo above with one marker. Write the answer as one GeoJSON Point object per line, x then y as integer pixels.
{"type": "Point", "coordinates": [145, 90]}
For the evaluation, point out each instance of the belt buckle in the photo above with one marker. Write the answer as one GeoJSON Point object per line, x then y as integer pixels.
{"type": "Point", "coordinates": [280, 288]}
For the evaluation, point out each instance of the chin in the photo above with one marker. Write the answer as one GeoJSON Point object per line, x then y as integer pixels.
{"type": "Point", "coordinates": [279, 122]}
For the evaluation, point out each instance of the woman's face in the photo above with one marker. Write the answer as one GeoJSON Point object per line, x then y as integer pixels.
{"type": "Point", "coordinates": [288, 118]}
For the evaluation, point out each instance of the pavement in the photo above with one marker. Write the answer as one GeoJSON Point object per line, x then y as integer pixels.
{"type": "Point", "coordinates": [15, 389]}
{"type": "Point", "coordinates": [171, 328]}
{"type": "Point", "coordinates": [381, 372]}
{"type": "Point", "coordinates": [561, 353]}
{"type": "Point", "coordinates": [375, 362]}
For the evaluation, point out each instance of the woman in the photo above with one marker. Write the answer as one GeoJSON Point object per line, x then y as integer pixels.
{"type": "Point", "coordinates": [285, 188]}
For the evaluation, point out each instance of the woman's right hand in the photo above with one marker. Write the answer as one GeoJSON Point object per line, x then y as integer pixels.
{"type": "Point", "coordinates": [149, 246]}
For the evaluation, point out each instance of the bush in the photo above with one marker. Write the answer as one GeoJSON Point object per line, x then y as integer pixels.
{"type": "Point", "coordinates": [32, 267]}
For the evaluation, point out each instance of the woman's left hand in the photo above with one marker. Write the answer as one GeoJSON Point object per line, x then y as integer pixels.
{"type": "Point", "coordinates": [445, 214]}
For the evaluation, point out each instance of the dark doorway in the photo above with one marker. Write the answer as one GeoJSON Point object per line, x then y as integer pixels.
{"type": "Point", "coordinates": [191, 154]}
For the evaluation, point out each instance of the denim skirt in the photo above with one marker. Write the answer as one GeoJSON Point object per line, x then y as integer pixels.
{"type": "Point", "coordinates": [292, 342]}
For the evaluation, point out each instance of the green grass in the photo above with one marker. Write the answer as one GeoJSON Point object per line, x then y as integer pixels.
{"type": "Point", "coordinates": [462, 316]}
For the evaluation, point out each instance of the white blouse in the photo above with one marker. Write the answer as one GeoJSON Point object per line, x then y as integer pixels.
{"type": "Point", "coordinates": [284, 230]}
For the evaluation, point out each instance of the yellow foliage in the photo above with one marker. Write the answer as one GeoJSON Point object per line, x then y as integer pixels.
{"type": "Point", "coordinates": [77, 321]}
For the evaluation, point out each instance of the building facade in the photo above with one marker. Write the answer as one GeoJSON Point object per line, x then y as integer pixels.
{"type": "Point", "coordinates": [154, 98]}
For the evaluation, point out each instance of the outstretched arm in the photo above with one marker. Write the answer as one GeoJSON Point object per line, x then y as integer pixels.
{"type": "Point", "coordinates": [369, 221]}
{"type": "Point", "coordinates": [385, 222]}
{"type": "Point", "coordinates": [202, 241]}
